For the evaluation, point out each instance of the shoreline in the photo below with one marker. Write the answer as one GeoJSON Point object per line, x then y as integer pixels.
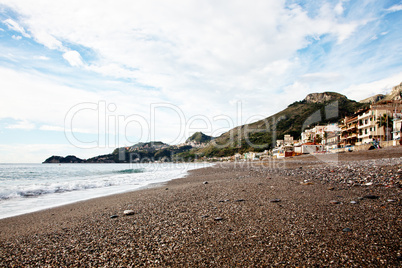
{"type": "Point", "coordinates": [299, 214]}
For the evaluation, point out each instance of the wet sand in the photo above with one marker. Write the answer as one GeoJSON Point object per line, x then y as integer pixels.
{"type": "Point", "coordinates": [296, 212]}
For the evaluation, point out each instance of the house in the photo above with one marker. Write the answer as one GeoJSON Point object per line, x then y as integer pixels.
{"type": "Point", "coordinates": [368, 127]}
{"type": "Point", "coordinates": [315, 134]}
{"type": "Point", "coordinates": [283, 151]}
{"type": "Point", "coordinates": [287, 140]}
{"type": "Point", "coordinates": [308, 148]}
{"type": "Point", "coordinates": [349, 131]}
{"type": "Point", "coordinates": [397, 126]}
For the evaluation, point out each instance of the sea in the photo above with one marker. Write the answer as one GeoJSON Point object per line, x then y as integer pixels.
{"type": "Point", "coordinates": [26, 188]}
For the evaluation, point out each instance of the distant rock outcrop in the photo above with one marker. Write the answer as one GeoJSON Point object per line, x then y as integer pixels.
{"type": "Point", "coordinates": [323, 97]}
{"type": "Point", "coordinates": [373, 99]}
{"type": "Point", "coordinates": [67, 159]}
{"type": "Point", "coordinates": [199, 137]}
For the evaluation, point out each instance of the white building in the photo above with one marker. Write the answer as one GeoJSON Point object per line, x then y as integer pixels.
{"type": "Point", "coordinates": [397, 126]}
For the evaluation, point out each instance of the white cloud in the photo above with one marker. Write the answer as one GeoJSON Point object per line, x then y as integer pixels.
{"type": "Point", "coordinates": [17, 37]}
{"type": "Point", "coordinates": [51, 128]}
{"type": "Point", "coordinates": [24, 125]}
{"type": "Point", "coordinates": [395, 8]}
{"type": "Point", "coordinates": [41, 58]}
{"type": "Point", "coordinates": [322, 78]}
{"type": "Point", "coordinates": [74, 58]}
{"type": "Point", "coordinates": [13, 25]}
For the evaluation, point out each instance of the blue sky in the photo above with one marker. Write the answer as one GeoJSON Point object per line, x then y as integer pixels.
{"type": "Point", "coordinates": [85, 77]}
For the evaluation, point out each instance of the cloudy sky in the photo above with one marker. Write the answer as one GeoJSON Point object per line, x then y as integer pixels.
{"type": "Point", "coordinates": [83, 77]}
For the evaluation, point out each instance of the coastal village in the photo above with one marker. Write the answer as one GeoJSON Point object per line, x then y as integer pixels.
{"type": "Point", "coordinates": [374, 127]}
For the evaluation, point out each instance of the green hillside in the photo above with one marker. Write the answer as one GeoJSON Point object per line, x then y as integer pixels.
{"type": "Point", "coordinates": [199, 137]}
{"type": "Point", "coordinates": [322, 108]}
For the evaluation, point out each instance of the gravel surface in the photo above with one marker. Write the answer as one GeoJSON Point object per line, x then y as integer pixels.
{"type": "Point", "coordinates": [342, 210]}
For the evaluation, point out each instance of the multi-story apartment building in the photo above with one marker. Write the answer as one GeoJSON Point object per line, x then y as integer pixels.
{"type": "Point", "coordinates": [367, 126]}
{"type": "Point", "coordinates": [349, 131]}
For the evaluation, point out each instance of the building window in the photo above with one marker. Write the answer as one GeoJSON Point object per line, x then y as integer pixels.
{"type": "Point", "coordinates": [371, 129]}
{"type": "Point", "coordinates": [366, 121]}
{"type": "Point", "coordinates": [365, 131]}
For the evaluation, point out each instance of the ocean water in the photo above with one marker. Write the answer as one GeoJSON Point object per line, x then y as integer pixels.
{"type": "Point", "coordinates": [27, 188]}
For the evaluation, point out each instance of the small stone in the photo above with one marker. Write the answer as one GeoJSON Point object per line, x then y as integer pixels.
{"type": "Point", "coordinates": [371, 196]}
{"type": "Point", "coordinates": [346, 230]}
{"type": "Point", "coordinates": [275, 200]}
{"type": "Point", "coordinates": [218, 219]}
{"type": "Point", "coordinates": [331, 188]}
{"type": "Point", "coordinates": [205, 182]}
{"type": "Point", "coordinates": [334, 202]}
{"type": "Point", "coordinates": [353, 202]}
{"type": "Point", "coordinates": [114, 216]}
{"type": "Point", "coordinates": [204, 216]}
{"type": "Point", "coordinates": [129, 212]}
{"type": "Point", "coordinates": [391, 200]}
{"type": "Point", "coordinates": [240, 200]}
{"type": "Point", "coordinates": [166, 188]}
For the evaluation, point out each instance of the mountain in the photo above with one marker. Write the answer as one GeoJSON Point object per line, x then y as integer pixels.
{"type": "Point", "coordinates": [199, 137]}
{"type": "Point", "coordinates": [316, 108]}
{"type": "Point", "coordinates": [373, 99]}
{"type": "Point", "coordinates": [395, 94]}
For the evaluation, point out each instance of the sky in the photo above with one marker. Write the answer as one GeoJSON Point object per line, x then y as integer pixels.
{"type": "Point", "coordinates": [85, 77]}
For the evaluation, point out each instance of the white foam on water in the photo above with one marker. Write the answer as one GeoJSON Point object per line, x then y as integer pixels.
{"type": "Point", "coordinates": [27, 188]}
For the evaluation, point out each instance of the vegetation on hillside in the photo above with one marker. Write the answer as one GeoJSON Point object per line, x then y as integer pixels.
{"type": "Point", "coordinates": [262, 135]}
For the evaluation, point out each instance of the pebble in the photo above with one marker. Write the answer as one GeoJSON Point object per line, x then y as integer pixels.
{"type": "Point", "coordinates": [218, 219]}
{"type": "Point", "coordinates": [335, 202]}
{"type": "Point", "coordinates": [346, 230]}
{"type": "Point", "coordinates": [353, 202]}
{"type": "Point", "coordinates": [240, 200]}
{"type": "Point", "coordinates": [371, 196]}
{"type": "Point", "coordinates": [391, 200]}
{"type": "Point", "coordinates": [205, 182]}
{"type": "Point", "coordinates": [275, 200]}
{"type": "Point", "coordinates": [129, 212]}
{"type": "Point", "coordinates": [114, 216]}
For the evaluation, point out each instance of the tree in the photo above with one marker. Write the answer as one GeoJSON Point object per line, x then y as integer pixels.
{"type": "Point", "coordinates": [318, 138]}
{"type": "Point", "coordinates": [385, 121]}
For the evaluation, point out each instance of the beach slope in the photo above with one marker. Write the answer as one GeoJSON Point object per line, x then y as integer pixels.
{"type": "Point", "coordinates": [305, 211]}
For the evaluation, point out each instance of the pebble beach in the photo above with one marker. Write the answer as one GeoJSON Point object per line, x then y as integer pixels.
{"type": "Point", "coordinates": [339, 210]}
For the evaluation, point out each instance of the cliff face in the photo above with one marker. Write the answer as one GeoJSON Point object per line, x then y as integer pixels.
{"type": "Point", "coordinates": [323, 97]}
{"type": "Point", "coordinates": [395, 94]}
